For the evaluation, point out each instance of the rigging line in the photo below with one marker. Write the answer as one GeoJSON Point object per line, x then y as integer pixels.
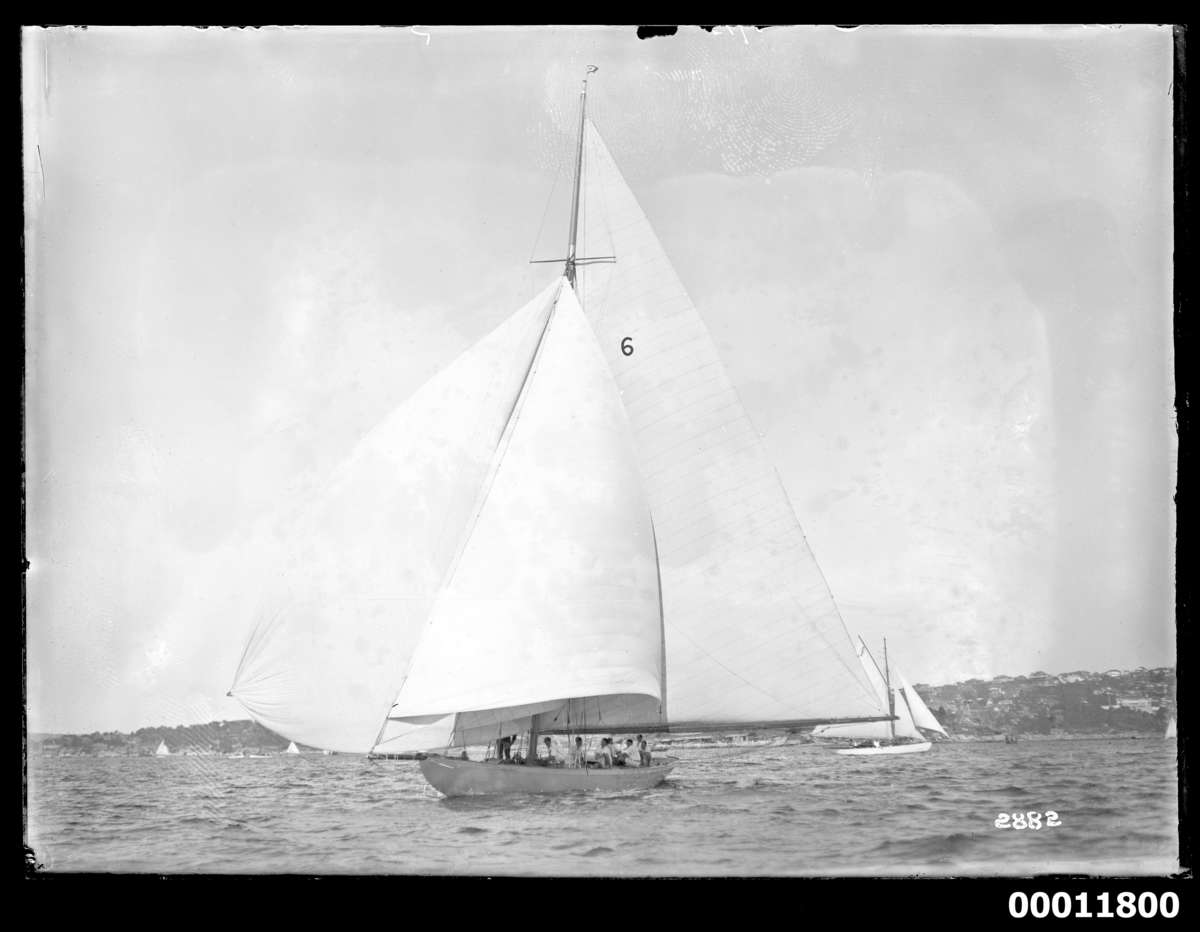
{"type": "Point", "coordinates": [485, 490]}
{"type": "Point", "coordinates": [857, 675]}
{"type": "Point", "coordinates": [872, 656]}
{"type": "Point", "coordinates": [257, 636]}
{"type": "Point", "coordinates": [545, 213]}
{"type": "Point", "coordinates": [732, 673]}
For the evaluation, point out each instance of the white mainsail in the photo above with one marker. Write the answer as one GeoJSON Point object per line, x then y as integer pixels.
{"type": "Point", "coordinates": [1171, 728]}
{"type": "Point", "coordinates": [752, 632]}
{"type": "Point", "coordinates": [292, 749]}
{"type": "Point", "coordinates": [162, 750]}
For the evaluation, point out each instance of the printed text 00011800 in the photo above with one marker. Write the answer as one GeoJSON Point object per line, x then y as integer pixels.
{"type": "Point", "coordinates": [1146, 905]}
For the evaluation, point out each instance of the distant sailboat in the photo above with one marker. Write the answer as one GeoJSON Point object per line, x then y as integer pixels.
{"type": "Point", "coordinates": [899, 736]}
{"type": "Point", "coordinates": [292, 749]}
{"type": "Point", "coordinates": [607, 547]}
{"type": "Point", "coordinates": [162, 750]}
{"type": "Point", "coordinates": [1170, 728]}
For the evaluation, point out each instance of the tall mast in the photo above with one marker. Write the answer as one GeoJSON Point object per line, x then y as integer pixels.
{"type": "Point", "coordinates": [887, 682]}
{"type": "Point", "coordinates": [570, 270]}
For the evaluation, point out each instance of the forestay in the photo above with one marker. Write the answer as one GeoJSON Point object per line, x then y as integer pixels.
{"type": "Point", "coordinates": [751, 629]}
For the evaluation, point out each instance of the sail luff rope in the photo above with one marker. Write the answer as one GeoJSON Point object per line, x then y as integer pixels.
{"type": "Point", "coordinates": [662, 626]}
{"type": "Point", "coordinates": [545, 213]}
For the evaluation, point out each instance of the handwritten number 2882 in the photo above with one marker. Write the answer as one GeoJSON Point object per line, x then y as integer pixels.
{"type": "Point", "coordinates": [1032, 820]}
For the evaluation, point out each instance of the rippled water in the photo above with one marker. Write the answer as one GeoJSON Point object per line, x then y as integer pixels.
{"type": "Point", "coordinates": [796, 809]}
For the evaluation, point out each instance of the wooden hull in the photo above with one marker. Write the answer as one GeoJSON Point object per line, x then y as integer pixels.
{"type": "Point", "coordinates": [454, 777]}
{"type": "Point", "coordinates": [887, 749]}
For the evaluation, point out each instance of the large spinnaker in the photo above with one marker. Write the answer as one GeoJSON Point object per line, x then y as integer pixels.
{"type": "Point", "coordinates": [752, 633]}
{"type": "Point", "coordinates": [370, 554]}
{"type": "Point", "coordinates": [555, 594]}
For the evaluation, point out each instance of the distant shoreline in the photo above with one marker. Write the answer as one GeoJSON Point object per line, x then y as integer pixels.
{"type": "Point", "coordinates": [1063, 736]}
{"type": "Point", "coordinates": [1070, 706]}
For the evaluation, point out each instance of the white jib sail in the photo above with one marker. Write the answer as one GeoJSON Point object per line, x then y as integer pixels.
{"type": "Point", "coordinates": [555, 594]}
{"type": "Point", "coordinates": [922, 717]}
{"type": "Point", "coordinates": [368, 557]}
{"type": "Point", "coordinates": [752, 632]}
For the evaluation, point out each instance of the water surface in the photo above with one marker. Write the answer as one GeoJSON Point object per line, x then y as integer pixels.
{"type": "Point", "coordinates": [796, 809]}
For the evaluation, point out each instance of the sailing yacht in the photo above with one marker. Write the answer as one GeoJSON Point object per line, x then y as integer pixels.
{"type": "Point", "coordinates": [162, 750]}
{"type": "Point", "coordinates": [292, 749]}
{"type": "Point", "coordinates": [1171, 727]}
{"type": "Point", "coordinates": [572, 530]}
{"type": "Point", "coordinates": [900, 734]}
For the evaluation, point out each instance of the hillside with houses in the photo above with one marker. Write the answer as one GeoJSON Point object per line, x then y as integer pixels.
{"type": "Point", "coordinates": [1078, 703]}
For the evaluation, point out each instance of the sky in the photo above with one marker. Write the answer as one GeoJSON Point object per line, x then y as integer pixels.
{"type": "Point", "coordinates": [935, 262]}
